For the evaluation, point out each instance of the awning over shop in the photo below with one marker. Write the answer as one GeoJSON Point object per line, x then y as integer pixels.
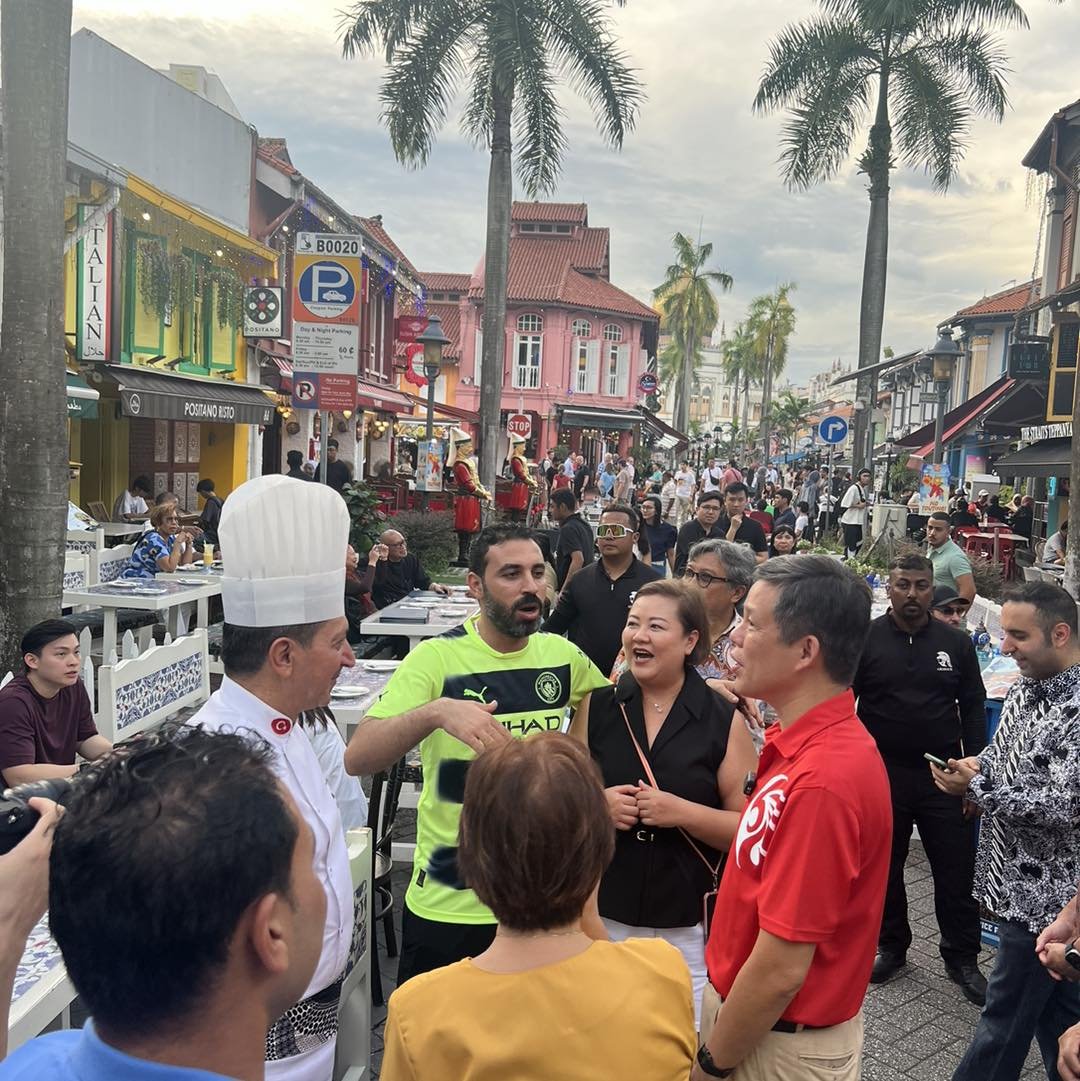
{"type": "Point", "coordinates": [583, 417]}
{"type": "Point", "coordinates": [82, 399]}
{"type": "Point", "coordinates": [1047, 458]}
{"type": "Point", "coordinates": [956, 420]}
{"type": "Point", "coordinates": [444, 410]}
{"type": "Point", "coordinates": [383, 398]}
{"type": "Point", "coordinates": [157, 395]}
{"type": "Point", "coordinates": [668, 438]}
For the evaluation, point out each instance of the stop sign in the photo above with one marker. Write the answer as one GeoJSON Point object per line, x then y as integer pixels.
{"type": "Point", "coordinates": [519, 424]}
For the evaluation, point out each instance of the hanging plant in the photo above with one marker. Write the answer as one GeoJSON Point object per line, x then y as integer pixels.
{"type": "Point", "coordinates": [228, 293]}
{"type": "Point", "coordinates": [154, 276]}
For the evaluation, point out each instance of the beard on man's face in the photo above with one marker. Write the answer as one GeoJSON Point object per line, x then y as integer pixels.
{"type": "Point", "coordinates": [518, 621]}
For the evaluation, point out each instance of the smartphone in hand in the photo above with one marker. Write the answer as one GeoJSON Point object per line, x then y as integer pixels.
{"type": "Point", "coordinates": [940, 763]}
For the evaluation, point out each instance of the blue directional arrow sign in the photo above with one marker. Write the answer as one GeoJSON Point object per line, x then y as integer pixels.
{"type": "Point", "coordinates": [832, 429]}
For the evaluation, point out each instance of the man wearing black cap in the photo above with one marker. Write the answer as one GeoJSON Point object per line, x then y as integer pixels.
{"type": "Point", "coordinates": [920, 692]}
{"type": "Point", "coordinates": [949, 607]}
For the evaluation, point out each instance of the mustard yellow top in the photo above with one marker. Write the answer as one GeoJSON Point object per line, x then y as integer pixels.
{"type": "Point", "coordinates": [619, 1009]}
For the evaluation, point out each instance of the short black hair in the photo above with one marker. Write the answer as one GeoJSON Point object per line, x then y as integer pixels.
{"type": "Point", "coordinates": [912, 561]}
{"type": "Point", "coordinates": [940, 515]}
{"type": "Point", "coordinates": [295, 459]}
{"type": "Point", "coordinates": [166, 844]}
{"type": "Point", "coordinates": [41, 634]}
{"type": "Point", "coordinates": [163, 497]}
{"type": "Point", "coordinates": [631, 514]}
{"type": "Point", "coordinates": [787, 493]}
{"type": "Point", "coordinates": [804, 506]}
{"type": "Point", "coordinates": [492, 535]}
{"type": "Point", "coordinates": [563, 497]}
{"type": "Point", "coordinates": [714, 496]}
{"type": "Point", "coordinates": [205, 485]}
{"type": "Point", "coordinates": [961, 504]}
{"type": "Point", "coordinates": [332, 443]}
{"type": "Point", "coordinates": [1052, 604]}
{"type": "Point", "coordinates": [244, 649]}
{"type": "Point", "coordinates": [819, 596]}
{"type": "Point", "coordinates": [737, 486]}
{"type": "Point", "coordinates": [141, 483]}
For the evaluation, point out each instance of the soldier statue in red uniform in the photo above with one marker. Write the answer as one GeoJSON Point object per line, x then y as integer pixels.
{"type": "Point", "coordinates": [467, 506]}
{"type": "Point", "coordinates": [523, 485]}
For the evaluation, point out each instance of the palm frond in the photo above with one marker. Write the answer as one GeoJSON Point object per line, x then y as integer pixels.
{"type": "Point", "coordinates": [371, 24]}
{"type": "Point", "coordinates": [931, 117]}
{"type": "Point", "coordinates": [538, 133]}
{"type": "Point", "coordinates": [479, 113]}
{"type": "Point", "coordinates": [973, 13]}
{"type": "Point", "coordinates": [975, 63]}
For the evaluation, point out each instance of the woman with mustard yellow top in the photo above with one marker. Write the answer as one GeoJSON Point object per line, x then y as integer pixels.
{"type": "Point", "coordinates": [544, 1000]}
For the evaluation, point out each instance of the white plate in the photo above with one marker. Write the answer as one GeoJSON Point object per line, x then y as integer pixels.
{"type": "Point", "coordinates": [125, 583]}
{"type": "Point", "coordinates": [349, 692]}
{"type": "Point", "coordinates": [149, 592]}
{"type": "Point", "coordinates": [381, 666]}
{"type": "Point", "coordinates": [190, 568]}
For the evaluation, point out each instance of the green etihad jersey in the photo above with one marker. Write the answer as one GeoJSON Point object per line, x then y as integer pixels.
{"type": "Point", "coordinates": [533, 687]}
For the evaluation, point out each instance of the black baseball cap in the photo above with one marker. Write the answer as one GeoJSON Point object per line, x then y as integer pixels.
{"type": "Point", "coordinates": [944, 595]}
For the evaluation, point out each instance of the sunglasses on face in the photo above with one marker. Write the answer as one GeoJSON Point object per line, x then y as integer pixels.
{"type": "Point", "coordinates": [613, 532]}
{"type": "Point", "coordinates": [953, 609]}
{"type": "Point", "coordinates": [703, 578]}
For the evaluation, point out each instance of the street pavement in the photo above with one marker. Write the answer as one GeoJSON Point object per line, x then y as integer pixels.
{"type": "Point", "coordinates": [918, 1025]}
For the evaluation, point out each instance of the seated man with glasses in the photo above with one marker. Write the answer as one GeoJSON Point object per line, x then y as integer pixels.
{"type": "Point", "coordinates": [397, 571]}
{"type": "Point", "coordinates": [949, 607]}
{"type": "Point", "coordinates": [592, 606]}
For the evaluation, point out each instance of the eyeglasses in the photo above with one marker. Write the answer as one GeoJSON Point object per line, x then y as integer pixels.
{"type": "Point", "coordinates": [703, 578]}
{"type": "Point", "coordinates": [613, 532]}
{"type": "Point", "coordinates": [952, 609]}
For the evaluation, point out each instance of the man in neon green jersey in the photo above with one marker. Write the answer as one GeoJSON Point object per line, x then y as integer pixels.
{"type": "Point", "coordinates": [493, 678]}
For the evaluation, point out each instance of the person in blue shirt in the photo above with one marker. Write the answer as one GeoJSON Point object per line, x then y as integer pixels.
{"type": "Point", "coordinates": [661, 536]}
{"type": "Point", "coordinates": [164, 547]}
{"type": "Point", "coordinates": [187, 910]}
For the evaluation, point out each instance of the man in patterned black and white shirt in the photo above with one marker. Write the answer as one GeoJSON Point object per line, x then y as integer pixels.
{"type": "Point", "coordinates": [1027, 785]}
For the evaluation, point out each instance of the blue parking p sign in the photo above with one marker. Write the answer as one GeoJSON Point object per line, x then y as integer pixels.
{"type": "Point", "coordinates": [326, 288]}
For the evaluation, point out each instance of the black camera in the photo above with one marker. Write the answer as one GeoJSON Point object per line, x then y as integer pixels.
{"type": "Point", "coordinates": [17, 817]}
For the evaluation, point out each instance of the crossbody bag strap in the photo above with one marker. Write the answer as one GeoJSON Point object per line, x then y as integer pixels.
{"type": "Point", "coordinates": [714, 871]}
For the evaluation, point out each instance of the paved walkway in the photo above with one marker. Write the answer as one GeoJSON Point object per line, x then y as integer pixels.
{"type": "Point", "coordinates": [917, 1026]}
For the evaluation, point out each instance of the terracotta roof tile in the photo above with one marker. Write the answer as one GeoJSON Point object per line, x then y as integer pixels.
{"type": "Point", "coordinates": [1007, 302]}
{"type": "Point", "coordinates": [379, 234]}
{"type": "Point", "coordinates": [437, 282]}
{"type": "Point", "coordinates": [565, 212]}
{"type": "Point", "coordinates": [282, 166]}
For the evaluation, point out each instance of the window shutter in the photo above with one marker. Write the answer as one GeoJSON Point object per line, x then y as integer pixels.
{"type": "Point", "coordinates": [593, 367]}
{"type": "Point", "coordinates": [536, 374]}
{"type": "Point", "coordinates": [515, 367]}
{"type": "Point", "coordinates": [478, 359]}
{"type": "Point", "coordinates": [622, 387]}
{"type": "Point", "coordinates": [1068, 236]}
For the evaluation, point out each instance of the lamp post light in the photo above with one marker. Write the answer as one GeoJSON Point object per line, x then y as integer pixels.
{"type": "Point", "coordinates": [943, 357]}
{"type": "Point", "coordinates": [434, 340]}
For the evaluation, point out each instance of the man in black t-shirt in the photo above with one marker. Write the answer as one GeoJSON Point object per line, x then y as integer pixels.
{"type": "Point", "coordinates": [399, 573]}
{"type": "Point", "coordinates": [700, 527]}
{"type": "Point", "coordinates": [737, 526]}
{"type": "Point", "coordinates": [338, 473]}
{"type": "Point", "coordinates": [576, 542]}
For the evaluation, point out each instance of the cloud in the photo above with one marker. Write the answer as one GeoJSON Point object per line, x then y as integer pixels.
{"type": "Point", "coordinates": [698, 158]}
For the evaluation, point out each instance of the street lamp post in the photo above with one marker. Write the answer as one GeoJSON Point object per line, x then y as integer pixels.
{"type": "Point", "coordinates": [434, 340]}
{"type": "Point", "coordinates": [943, 357]}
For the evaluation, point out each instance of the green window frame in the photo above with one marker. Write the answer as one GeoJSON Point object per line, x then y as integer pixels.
{"type": "Point", "coordinates": [128, 346]}
{"type": "Point", "coordinates": [201, 321]}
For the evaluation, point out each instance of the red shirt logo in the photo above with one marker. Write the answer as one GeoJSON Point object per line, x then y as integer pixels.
{"type": "Point", "coordinates": [759, 821]}
{"type": "Point", "coordinates": [281, 726]}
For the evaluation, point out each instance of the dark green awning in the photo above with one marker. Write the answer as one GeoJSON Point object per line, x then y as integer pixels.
{"type": "Point", "coordinates": [82, 399]}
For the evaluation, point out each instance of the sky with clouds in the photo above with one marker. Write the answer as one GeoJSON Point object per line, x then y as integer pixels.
{"type": "Point", "coordinates": [698, 158]}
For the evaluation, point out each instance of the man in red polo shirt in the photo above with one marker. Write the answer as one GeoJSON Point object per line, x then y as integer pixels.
{"type": "Point", "coordinates": [795, 930]}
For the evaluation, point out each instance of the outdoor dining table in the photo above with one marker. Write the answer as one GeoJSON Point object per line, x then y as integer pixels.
{"type": "Point", "coordinates": [121, 529]}
{"type": "Point", "coordinates": [444, 613]}
{"type": "Point", "coordinates": [151, 595]}
{"type": "Point", "coordinates": [997, 536]}
{"type": "Point", "coordinates": [42, 989]}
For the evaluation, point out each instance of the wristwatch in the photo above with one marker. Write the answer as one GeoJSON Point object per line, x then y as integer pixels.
{"type": "Point", "coordinates": [1072, 955]}
{"type": "Point", "coordinates": [705, 1061]}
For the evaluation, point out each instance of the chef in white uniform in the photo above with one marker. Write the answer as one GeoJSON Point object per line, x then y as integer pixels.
{"type": "Point", "coordinates": [283, 645]}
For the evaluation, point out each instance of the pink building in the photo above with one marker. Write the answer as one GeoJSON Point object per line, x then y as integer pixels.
{"type": "Point", "coordinates": [576, 345]}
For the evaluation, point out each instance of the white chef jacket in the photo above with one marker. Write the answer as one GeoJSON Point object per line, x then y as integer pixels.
{"type": "Point", "coordinates": [232, 708]}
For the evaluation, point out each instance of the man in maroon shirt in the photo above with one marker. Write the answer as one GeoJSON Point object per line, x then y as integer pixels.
{"type": "Point", "coordinates": [45, 714]}
{"type": "Point", "coordinates": [794, 934]}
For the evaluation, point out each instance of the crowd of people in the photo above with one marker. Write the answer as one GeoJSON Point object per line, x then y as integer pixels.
{"type": "Point", "coordinates": [738, 755]}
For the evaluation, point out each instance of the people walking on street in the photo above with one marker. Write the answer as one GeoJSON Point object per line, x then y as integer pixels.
{"type": "Point", "coordinates": [919, 691]}
{"type": "Point", "coordinates": [952, 568]}
{"type": "Point", "coordinates": [854, 504]}
{"type": "Point", "coordinates": [1026, 783]}
{"type": "Point", "coordinates": [702, 525]}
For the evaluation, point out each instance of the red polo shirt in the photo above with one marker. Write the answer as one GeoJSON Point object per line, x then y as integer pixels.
{"type": "Point", "coordinates": [810, 861]}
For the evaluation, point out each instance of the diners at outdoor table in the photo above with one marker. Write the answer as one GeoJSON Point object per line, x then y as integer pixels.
{"type": "Point", "coordinates": [1023, 519]}
{"type": "Point", "coordinates": [593, 1008]}
{"type": "Point", "coordinates": [24, 895]}
{"type": "Point", "coordinates": [211, 512]}
{"type": "Point", "coordinates": [164, 548]}
{"type": "Point", "coordinates": [45, 713]}
{"type": "Point", "coordinates": [184, 961]}
{"type": "Point", "coordinates": [674, 766]}
{"type": "Point", "coordinates": [1056, 544]}
{"type": "Point", "coordinates": [130, 504]}
{"type": "Point", "coordinates": [397, 571]}
{"type": "Point", "coordinates": [358, 602]}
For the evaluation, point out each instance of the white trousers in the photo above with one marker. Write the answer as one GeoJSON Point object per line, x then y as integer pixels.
{"type": "Point", "coordinates": [689, 941]}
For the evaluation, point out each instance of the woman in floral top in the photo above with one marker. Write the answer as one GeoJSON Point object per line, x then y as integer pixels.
{"type": "Point", "coordinates": [164, 548]}
{"type": "Point", "coordinates": [721, 572]}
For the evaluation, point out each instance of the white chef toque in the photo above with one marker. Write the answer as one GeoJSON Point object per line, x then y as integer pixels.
{"type": "Point", "coordinates": [457, 435]}
{"type": "Point", "coordinates": [283, 545]}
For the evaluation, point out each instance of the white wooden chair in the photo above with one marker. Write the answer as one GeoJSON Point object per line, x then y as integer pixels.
{"type": "Point", "coordinates": [352, 1060]}
{"type": "Point", "coordinates": [7, 679]}
{"type": "Point", "coordinates": [85, 540]}
{"type": "Point", "coordinates": [108, 563]}
{"type": "Point", "coordinates": [140, 692]}
{"type": "Point", "coordinates": [76, 570]}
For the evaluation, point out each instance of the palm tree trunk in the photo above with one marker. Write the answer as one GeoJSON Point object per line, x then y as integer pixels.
{"type": "Point", "coordinates": [746, 405]}
{"type": "Point", "coordinates": [686, 382]}
{"type": "Point", "coordinates": [35, 44]}
{"type": "Point", "coordinates": [766, 402]}
{"type": "Point", "coordinates": [496, 264]}
{"type": "Point", "coordinates": [876, 163]}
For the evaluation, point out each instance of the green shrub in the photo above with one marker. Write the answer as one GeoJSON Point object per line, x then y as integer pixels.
{"type": "Point", "coordinates": [367, 521]}
{"type": "Point", "coordinates": [430, 537]}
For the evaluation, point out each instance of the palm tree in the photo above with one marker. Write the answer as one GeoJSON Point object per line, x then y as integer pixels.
{"type": "Point", "coordinates": [690, 312]}
{"type": "Point", "coordinates": [932, 66]}
{"type": "Point", "coordinates": [771, 321]}
{"type": "Point", "coordinates": [789, 414]}
{"type": "Point", "coordinates": [512, 57]}
{"type": "Point", "coordinates": [35, 46]}
{"type": "Point", "coordinates": [740, 363]}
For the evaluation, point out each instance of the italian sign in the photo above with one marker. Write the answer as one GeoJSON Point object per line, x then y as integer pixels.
{"type": "Point", "coordinates": [94, 289]}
